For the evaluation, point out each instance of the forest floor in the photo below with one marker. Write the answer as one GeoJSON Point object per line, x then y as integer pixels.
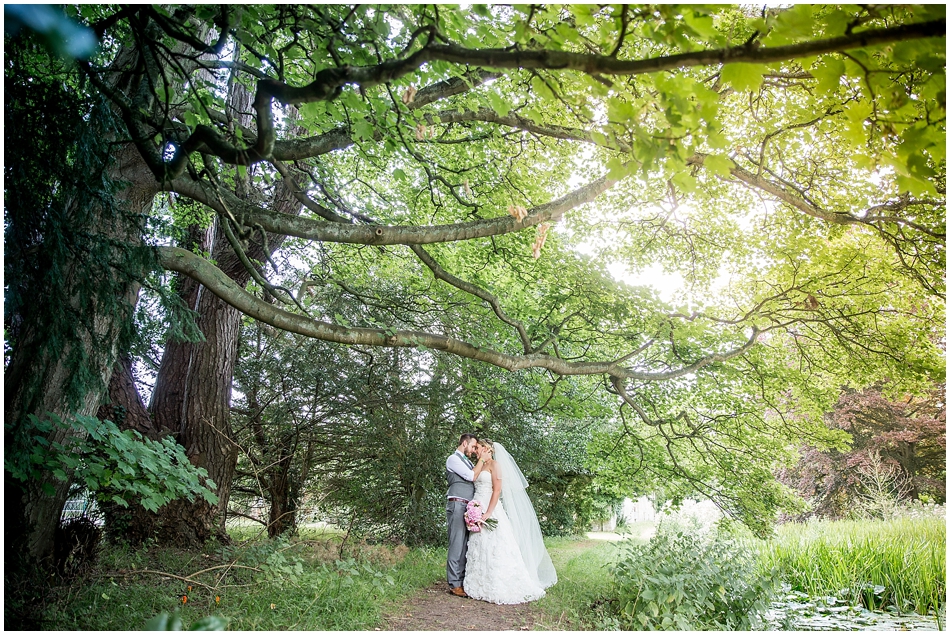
{"type": "Point", "coordinates": [435, 609]}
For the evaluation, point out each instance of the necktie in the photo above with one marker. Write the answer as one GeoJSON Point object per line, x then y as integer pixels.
{"type": "Point", "coordinates": [467, 462]}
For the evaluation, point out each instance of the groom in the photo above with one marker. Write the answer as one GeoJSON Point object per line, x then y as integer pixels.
{"type": "Point", "coordinates": [461, 476]}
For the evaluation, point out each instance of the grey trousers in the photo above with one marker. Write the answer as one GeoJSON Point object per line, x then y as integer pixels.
{"type": "Point", "coordinates": [458, 543]}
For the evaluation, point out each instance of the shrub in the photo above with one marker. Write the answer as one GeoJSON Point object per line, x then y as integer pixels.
{"type": "Point", "coordinates": [686, 578]}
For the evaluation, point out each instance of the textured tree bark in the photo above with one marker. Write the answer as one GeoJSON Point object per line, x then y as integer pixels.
{"type": "Point", "coordinates": [191, 402]}
{"type": "Point", "coordinates": [36, 377]}
{"type": "Point", "coordinates": [125, 407]}
{"type": "Point", "coordinates": [171, 388]}
{"type": "Point", "coordinates": [283, 492]}
{"type": "Point", "coordinates": [198, 411]}
{"type": "Point", "coordinates": [135, 524]}
{"type": "Point", "coordinates": [192, 396]}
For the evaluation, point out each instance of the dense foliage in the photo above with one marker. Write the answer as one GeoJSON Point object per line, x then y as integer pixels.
{"type": "Point", "coordinates": [477, 182]}
{"type": "Point", "coordinates": [112, 464]}
{"type": "Point", "coordinates": [690, 578]}
{"type": "Point", "coordinates": [896, 453]}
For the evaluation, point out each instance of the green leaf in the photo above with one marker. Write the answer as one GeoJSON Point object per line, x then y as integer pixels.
{"type": "Point", "coordinates": [312, 110]}
{"type": "Point", "coordinates": [719, 164]}
{"type": "Point", "coordinates": [209, 623]}
{"type": "Point", "coordinates": [190, 119]}
{"type": "Point", "coordinates": [702, 25]}
{"type": "Point", "coordinates": [498, 104]}
{"type": "Point", "coordinates": [856, 113]}
{"type": "Point", "coordinates": [795, 22]}
{"type": "Point", "coordinates": [836, 23]}
{"type": "Point", "coordinates": [717, 140]}
{"type": "Point", "coordinates": [915, 186]}
{"type": "Point", "coordinates": [617, 168]}
{"type": "Point", "coordinates": [164, 622]}
{"type": "Point", "coordinates": [685, 181]}
{"type": "Point", "coordinates": [828, 74]}
{"type": "Point", "coordinates": [363, 130]}
{"type": "Point", "coordinates": [541, 89]}
{"type": "Point", "coordinates": [742, 77]}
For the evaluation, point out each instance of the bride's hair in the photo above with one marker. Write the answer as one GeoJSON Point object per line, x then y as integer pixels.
{"type": "Point", "coordinates": [488, 443]}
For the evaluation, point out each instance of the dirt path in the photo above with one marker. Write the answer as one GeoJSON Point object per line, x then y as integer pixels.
{"type": "Point", "coordinates": [433, 609]}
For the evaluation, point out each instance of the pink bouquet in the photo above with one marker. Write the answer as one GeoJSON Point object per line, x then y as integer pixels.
{"type": "Point", "coordinates": [473, 518]}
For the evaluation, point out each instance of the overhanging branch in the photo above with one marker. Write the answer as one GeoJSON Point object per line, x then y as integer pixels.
{"type": "Point", "coordinates": [750, 53]}
{"type": "Point", "coordinates": [216, 281]}
{"type": "Point", "coordinates": [287, 225]}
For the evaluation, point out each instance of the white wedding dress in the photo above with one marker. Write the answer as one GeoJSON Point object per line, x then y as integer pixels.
{"type": "Point", "coordinates": [495, 570]}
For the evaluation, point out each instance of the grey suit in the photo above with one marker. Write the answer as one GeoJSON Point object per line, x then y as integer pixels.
{"type": "Point", "coordinates": [458, 533]}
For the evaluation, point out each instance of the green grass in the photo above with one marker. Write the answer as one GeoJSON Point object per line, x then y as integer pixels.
{"type": "Point", "coordinates": [261, 585]}
{"type": "Point", "coordinates": [318, 582]}
{"type": "Point", "coordinates": [583, 580]}
{"type": "Point", "coordinates": [900, 562]}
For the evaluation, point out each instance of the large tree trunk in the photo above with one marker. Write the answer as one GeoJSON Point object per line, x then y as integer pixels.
{"type": "Point", "coordinates": [40, 378]}
{"type": "Point", "coordinates": [135, 524]}
{"type": "Point", "coordinates": [199, 415]}
{"type": "Point", "coordinates": [190, 402]}
{"type": "Point", "coordinates": [192, 395]}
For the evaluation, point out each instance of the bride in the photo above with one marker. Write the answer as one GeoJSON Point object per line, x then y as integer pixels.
{"type": "Point", "coordinates": [508, 564]}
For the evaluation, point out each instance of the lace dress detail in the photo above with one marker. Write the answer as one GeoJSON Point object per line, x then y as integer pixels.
{"type": "Point", "coordinates": [494, 570]}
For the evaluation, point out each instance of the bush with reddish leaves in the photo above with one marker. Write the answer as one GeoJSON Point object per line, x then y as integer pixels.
{"type": "Point", "coordinates": [898, 451]}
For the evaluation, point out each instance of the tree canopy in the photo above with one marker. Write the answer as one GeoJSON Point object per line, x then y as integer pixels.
{"type": "Point", "coordinates": [469, 177]}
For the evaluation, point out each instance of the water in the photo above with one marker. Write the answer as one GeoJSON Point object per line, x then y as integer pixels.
{"type": "Point", "coordinates": [795, 611]}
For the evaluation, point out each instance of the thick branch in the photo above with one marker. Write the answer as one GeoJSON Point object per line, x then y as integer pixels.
{"type": "Point", "coordinates": [747, 53]}
{"type": "Point", "coordinates": [309, 228]}
{"type": "Point", "coordinates": [183, 261]}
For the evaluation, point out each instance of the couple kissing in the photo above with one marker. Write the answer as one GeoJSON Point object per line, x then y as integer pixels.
{"type": "Point", "coordinates": [505, 561]}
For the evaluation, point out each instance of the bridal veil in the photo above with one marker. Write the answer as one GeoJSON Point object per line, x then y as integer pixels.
{"type": "Point", "coordinates": [523, 518]}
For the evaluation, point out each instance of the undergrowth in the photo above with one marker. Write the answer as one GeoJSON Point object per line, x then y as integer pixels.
{"type": "Point", "coordinates": [688, 577]}
{"type": "Point", "coordinates": [311, 582]}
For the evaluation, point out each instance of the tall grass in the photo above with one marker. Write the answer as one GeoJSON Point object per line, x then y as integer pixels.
{"type": "Point", "coordinates": [307, 583]}
{"type": "Point", "coordinates": [899, 562]}
{"type": "Point", "coordinates": [583, 579]}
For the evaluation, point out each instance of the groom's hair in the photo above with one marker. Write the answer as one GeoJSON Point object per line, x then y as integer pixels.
{"type": "Point", "coordinates": [465, 437]}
